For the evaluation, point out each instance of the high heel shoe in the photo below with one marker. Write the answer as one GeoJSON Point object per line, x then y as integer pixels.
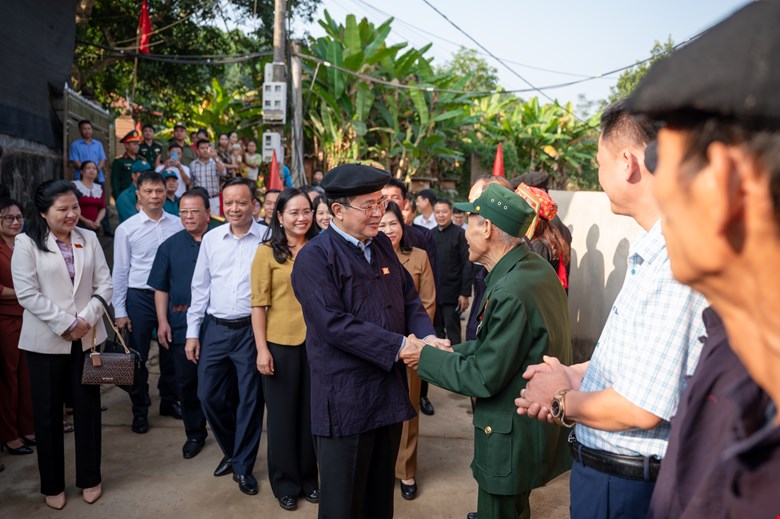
{"type": "Point", "coordinates": [30, 442]}
{"type": "Point", "coordinates": [92, 494]}
{"type": "Point", "coordinates": [57, 502]}
{"type": "Point", "coordinates": [18, 451]}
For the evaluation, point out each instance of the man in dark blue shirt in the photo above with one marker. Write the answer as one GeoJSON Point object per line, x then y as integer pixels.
{"type": "Point", "coordinates": [171, 279]}
{"type": "Point", "coordinates": [359, 304]}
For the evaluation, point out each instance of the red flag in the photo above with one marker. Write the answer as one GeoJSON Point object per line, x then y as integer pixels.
{"type": "Point", "coordinates": [498, 164]}
{"type": "Point", "coordinates": [274, 179]}
{"type": "Point", "coordinates": [144, 29]}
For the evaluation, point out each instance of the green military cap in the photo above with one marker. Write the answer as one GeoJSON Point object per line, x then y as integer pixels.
{"type": "Point", "coordinates": [140, 165]}
{"type": "Point", "coordinates": [505, 209]}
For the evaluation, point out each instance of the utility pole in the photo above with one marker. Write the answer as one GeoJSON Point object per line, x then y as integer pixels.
{"type": "Point", "coordinates": [299, 176]}
{"type": "Point", "coordinates": [275, 91]}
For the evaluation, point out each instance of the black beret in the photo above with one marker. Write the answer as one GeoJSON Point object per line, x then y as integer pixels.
{"type": "Point", "coordinates": [353, 180]}
{"type": "Point", "coordinates": [731, 72]}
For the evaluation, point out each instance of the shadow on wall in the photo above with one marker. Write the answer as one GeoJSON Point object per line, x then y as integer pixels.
{"type": "Point", "coordinates": [593, 298]}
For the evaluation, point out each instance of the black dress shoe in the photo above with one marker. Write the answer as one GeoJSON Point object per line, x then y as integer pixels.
{"type": "Point", "coordinates": [192, 447]}
{"type": "Point", "coordinates": [313, 496]}
{"type": "Point", "coordinates": [471, 515]}
{"type": "Point", "coordinates": [426, 406]}
{"type": "Point", "coordinates": [18, 451]}
{"type": "Point", "coordinates": [29, 442]}
{"type": "Point", "coordinates": [409, 492]}
{"type": "Point", "coordinates": [173, 410]}
{"type": "Point", "coordinates": [224, 468]}
{"type": "Point", "coordinates": [288, 502]}
{"type": "Point", "coordinates": [140, 425]}
{"type": "Point", "coordinates": [246, 483]}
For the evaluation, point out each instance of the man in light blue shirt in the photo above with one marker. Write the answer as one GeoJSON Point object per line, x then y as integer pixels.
{"type": "Point", "coordinates": [87, 148]}
{"type": "Point", "coordinates": [623, 399]}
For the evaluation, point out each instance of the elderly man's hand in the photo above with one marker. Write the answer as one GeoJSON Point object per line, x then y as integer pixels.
{"type": "Point", "coordinates": [545, 380]}
{"type": "Point", "coordinates": [410, 353]}
{"type": "Point", "coordinates": [442, 344]}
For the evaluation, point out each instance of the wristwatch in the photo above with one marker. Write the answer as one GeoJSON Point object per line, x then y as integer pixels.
{"type": "Point", "coordinates": [558, 409]}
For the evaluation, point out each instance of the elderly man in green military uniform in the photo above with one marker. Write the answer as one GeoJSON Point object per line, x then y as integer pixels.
{"type": "Point", "coordinates": [523, 316]}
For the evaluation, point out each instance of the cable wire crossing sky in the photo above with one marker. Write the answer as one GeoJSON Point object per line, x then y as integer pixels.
{"type": "Point", "coordinates": [538, 44]}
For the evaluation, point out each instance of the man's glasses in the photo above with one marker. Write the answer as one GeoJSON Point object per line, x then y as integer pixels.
{"type": "Point", "coordinates": [368, 210]}
{"type": "Point", "coordinates": [306, 213]}
{"type": "Point", "coordinates": [187, 212]}
{"type": "Point", "coordinates": [11, 218]}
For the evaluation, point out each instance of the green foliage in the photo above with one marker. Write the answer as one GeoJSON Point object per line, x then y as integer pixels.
{"type": "Point", "coordinates": [481, 76]}
{"type": "Point", "coordinates": [629, 78]}
{"type": "Point", "coordinates": [184, 27]}
{"type": "Point", "coordinates": [408, 131]}
{"type": "Point", "coordinates": [224, 111]}
{"type": "Point", "coordinates": [535, 137]}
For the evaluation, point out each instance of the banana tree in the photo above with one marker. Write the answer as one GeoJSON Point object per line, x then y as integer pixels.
{"type": "Point", "coordinates": [355, 118]}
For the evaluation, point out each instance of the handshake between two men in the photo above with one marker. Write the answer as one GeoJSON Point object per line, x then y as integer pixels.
{"type": "Point", "coordinates": [410, 353]}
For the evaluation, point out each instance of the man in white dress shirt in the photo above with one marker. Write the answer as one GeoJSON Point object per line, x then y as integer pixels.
{"type": "Point", "coordinates": [135, 245]}
{"type": "Point", "coordinates": [219, 335]}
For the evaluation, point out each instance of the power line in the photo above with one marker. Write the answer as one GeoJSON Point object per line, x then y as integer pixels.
{"type": "Point", "coordinates": [205, 59]}
{"type": "Point", "coordinates": [164, 28]}
{"type": "Point", "coordinates": [499, 60]}
{"type": "Point", "coordinates": [460, 45]}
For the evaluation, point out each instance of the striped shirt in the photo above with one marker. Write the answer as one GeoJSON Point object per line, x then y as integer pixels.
{"type": "Point", "coordinates": [205, 175]}
{"type": "Point", "coordinates": [649, 346]}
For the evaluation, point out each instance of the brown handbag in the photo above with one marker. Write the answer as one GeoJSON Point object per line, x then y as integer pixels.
{"type": "Point", "coordinates": [101, 367]}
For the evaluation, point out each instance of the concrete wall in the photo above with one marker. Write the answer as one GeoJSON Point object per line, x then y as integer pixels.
{"type": "Point", "coordinates": [600, 243]}
{"type": "Point", "coordinates": [25, 164]}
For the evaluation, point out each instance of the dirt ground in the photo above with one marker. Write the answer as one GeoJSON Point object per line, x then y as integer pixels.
{"type": "Point", "coordinates": [145, 475]}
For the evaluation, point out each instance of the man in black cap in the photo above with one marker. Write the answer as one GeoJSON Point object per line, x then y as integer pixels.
{"type": "Point", "coordinates": [718, 187]}
{"type": "Point", "coordinates": [360, 308]}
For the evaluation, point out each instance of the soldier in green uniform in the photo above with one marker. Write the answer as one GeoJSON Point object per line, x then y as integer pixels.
{"type": "Point", "coordinates": [121, 168]}
{"type": "Point", "coordinates": [150, 149]}
{"type": "Point", "coordinates": [523, 316]}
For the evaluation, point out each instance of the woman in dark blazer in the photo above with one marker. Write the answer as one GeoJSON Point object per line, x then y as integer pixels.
{"type": "Point", "coordinates": [57, 268]}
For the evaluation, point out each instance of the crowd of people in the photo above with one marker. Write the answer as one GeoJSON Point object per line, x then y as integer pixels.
{"type": "Point", "coordinates": [331, 306]}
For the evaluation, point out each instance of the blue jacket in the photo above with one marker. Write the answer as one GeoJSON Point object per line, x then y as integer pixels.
{"type": "Point", "coordinates": [357, 315]}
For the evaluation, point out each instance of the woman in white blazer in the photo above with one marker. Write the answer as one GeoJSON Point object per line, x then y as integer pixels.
{"type": "Point", "coordinates": [56, 269]}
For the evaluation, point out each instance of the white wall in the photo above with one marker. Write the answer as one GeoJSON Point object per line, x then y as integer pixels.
{"type": "Point", "coordinates": [600, 242]}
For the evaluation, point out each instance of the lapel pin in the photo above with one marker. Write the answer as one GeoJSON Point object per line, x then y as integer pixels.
{"type": "Point", "coordinates": [386, 270]}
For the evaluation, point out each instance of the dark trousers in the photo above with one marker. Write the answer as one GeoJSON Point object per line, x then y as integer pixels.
{"type": "Point", "coordinates": [187, 385]}
{"type": "Point", "coordinates": [449, 325]}
{"type": "Point", "coordinates": [494, 506]}
{"type": "Point", "coordinates": [292, 464]}
{"type": "Point", "coordinates": [143, 317]}
{"type": "Point", "coordinates": [230, 391]}
{"type": "Point", "coordinates": [49, 375]}
{"type": "Point", "coordinates": [357, 474]}
{"type": "Point", "coordinates": [104, 223]}
{"type": "Point", "coordinates": [15, 403]}
{"type": "Point", "coordinates": [595, 494]}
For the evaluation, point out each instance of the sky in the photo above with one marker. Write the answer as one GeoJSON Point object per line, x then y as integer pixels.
{"type": "Point", "coordinates": [575, 39]}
